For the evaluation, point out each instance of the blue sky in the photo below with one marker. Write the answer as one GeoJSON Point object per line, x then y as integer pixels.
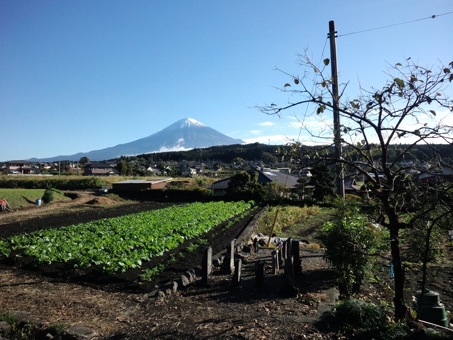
{"type": "Point", "coordinates": [77, 76]}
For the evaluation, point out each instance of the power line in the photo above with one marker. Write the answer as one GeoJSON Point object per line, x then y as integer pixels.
{"type": "Point", "coordinates": [324, 49]}
{"type": "Point", "coordinates": [434, 16]}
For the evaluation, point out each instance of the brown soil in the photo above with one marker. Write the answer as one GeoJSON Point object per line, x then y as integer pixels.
{"type": "Point", "coordinates": [122, 307]}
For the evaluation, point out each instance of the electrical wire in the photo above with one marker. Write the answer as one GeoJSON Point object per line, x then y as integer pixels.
{"type": "Point", "coordinates": [434, 16]}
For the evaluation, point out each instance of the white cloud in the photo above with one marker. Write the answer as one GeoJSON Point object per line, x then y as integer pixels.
{"type": "Point", "coordinates": [312, 122]}
{"type": "Point", "coordinates": [268, 123]}
{"type": "Point", "coordinates": [172, 148]}
{"type": "Point", "coordinates": [255, 132]}
{"type": "Point", "coordinates": [179, 146]}
{"type": "Point", "coordinates": [272, 139]}
{"type": "Point", "coordinates": [291, 129]}
{"type": "Point", "coordinates": [296, 125]}
{"type": "Point", "coordinates": [318, 129]}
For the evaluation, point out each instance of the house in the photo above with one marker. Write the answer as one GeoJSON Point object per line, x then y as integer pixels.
{"type": "Point", "coordinates": [265, 176]}
{"type": "Point", "coordinates": [219, 188]}
{"type": "Point", "coordinates": [283, 178]}
{"type": "Point", "coordinates": [154, 170]}
{"type": "Point", "coordinates": [351, 186]}
{"type": "Point", "coordinates": [444, 174]}
{"type": "Point", "coordinates": [100, 169]}
{"type": "Point", "coordinates": [188, 172]}
{"type": "Point", "coordinates": [22, 168]}
{"type": "Point", "coordinates": [189, 169]}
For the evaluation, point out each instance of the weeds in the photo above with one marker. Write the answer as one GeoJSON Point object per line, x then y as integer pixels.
{"type": "Point", "coordinates": [150, 273]}
{"type": "Point", "coordinates": [287, 216]}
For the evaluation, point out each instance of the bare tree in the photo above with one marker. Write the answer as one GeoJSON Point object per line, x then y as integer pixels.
{"type": "Point", "coordinates": [411, 109]}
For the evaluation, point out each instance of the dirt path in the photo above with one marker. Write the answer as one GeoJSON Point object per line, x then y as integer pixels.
{"type": "Point", "coordinates": [216, 310]}
{"type": "Point", "coordinates": [220, 310]}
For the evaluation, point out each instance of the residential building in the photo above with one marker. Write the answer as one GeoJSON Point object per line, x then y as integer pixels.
{"type": "Point", "coordinates": [100, 169]}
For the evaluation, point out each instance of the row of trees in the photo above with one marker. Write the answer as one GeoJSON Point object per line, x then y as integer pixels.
{"type": "Point", "coordinates": [225, 154]}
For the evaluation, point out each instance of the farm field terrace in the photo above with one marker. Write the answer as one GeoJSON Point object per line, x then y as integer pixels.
{"type": "Point", "coordinates": [114, 245]}
{"type": "Point", "coordinates": [20, 198]}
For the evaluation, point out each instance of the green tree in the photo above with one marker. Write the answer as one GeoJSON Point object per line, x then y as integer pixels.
{"type": "Point", "coordinates": [403, 111]}
{"type": "Point", "coordinates": [245, 185]}
{"type": "Point", "coordinates": [239, 183]}
{"type": "Point", "coordinates": [84, 160]}
{"type": "Point", "coordinates": [124, 168]}
{"type": "Point", "coordinates": [323, 181]}
{"type": "Point", "coordinates": [269, 158]}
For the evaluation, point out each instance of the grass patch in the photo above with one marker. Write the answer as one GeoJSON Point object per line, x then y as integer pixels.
{"type": "Point", "coordinates": [20, 198]}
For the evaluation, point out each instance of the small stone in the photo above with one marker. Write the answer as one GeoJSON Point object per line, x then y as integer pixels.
{"type": "Point", "coordinates": [20, 316]}
{"type": "Point", "coordinates": [49, 336]}
{"type": "Point", "coordinates": [190, 276]}
{"type": "Point", "coordinates": [81, 332]}
{"type": "Point", "coordinates": [184, 281]}
{"type": "Point", "coordinates": [4, 327]}
{"type": "Point", "coordinates": [174, 286]}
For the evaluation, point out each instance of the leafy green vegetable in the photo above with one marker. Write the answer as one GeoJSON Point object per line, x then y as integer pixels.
{"type": "Point", "coordinates": [120, 243]}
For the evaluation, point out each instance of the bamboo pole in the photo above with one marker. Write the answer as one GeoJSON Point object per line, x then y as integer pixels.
{"type": "Point", "coordinates": [272, 230]}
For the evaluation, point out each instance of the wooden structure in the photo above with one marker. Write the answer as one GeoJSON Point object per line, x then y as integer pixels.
{"type": "Point", "coordinates": [5, 206]}
{"type": "Point", "coordinates": [138, 185]}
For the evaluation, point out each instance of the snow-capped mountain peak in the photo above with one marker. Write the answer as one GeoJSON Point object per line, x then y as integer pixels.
{"type": "Point", "coordinates": [190, 122]}
{"type": "Point", "coordinates": [184, 134]}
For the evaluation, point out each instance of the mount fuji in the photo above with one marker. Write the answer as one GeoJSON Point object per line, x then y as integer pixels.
{"type": "Point", "coordinates": [185, 134]}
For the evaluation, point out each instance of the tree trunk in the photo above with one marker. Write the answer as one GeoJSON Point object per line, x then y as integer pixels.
{"type": "Point", "coordinates": [424, 267]}
{"type": "Point", "coordinates": [398, 299]}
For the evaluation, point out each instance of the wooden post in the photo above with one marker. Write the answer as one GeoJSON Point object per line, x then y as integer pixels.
{"type": "Point", "coordinates": [339, 180]}
{"type": "Point", "coordinates": [206, 265]}
{"type": "Point", "coordinates": [296, 257]}
{"type": "Point", "coordinates": [275, 262]}
{"type": "Point", "coordinates": [289, 252]}
{"type": "Point", "coordinates": [228, 264]}
{"type": "Point", "coordinates": [260, 275]}
{"type": "Point", "coordinates": [237, 273]}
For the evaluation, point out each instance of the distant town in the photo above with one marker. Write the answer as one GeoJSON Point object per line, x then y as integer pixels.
{"type": "Point", "coordinates": [220, 163]}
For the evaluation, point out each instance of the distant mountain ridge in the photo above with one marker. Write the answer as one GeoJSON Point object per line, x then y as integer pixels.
{"type": "Point", "coordinates": [185, 134]}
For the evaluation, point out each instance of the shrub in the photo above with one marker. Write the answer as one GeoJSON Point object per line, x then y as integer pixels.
{"type": "Point", "coordinates": [359, 319]}
{"type": "Point", "coordinates": [48, 196]}
{"type": "Point", "coordinates": [77, 183]}
{"type": "Point", "coordinates": [348, 243]}
{"type": "Point", "coordinates": [358, 316]}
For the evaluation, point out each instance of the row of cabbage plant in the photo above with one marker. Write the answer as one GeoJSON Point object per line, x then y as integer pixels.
{"type": "Point", "coordinates": [120, 243]}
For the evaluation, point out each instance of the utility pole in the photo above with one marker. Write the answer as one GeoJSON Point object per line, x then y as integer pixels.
{"type": "Point", "coordinates": [339, 178]}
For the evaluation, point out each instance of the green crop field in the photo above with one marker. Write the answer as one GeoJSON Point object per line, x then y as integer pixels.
{"type": "Point", "coordinates": [117, 244]}
{"type": "Point", "coordinates": [20, 198]}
